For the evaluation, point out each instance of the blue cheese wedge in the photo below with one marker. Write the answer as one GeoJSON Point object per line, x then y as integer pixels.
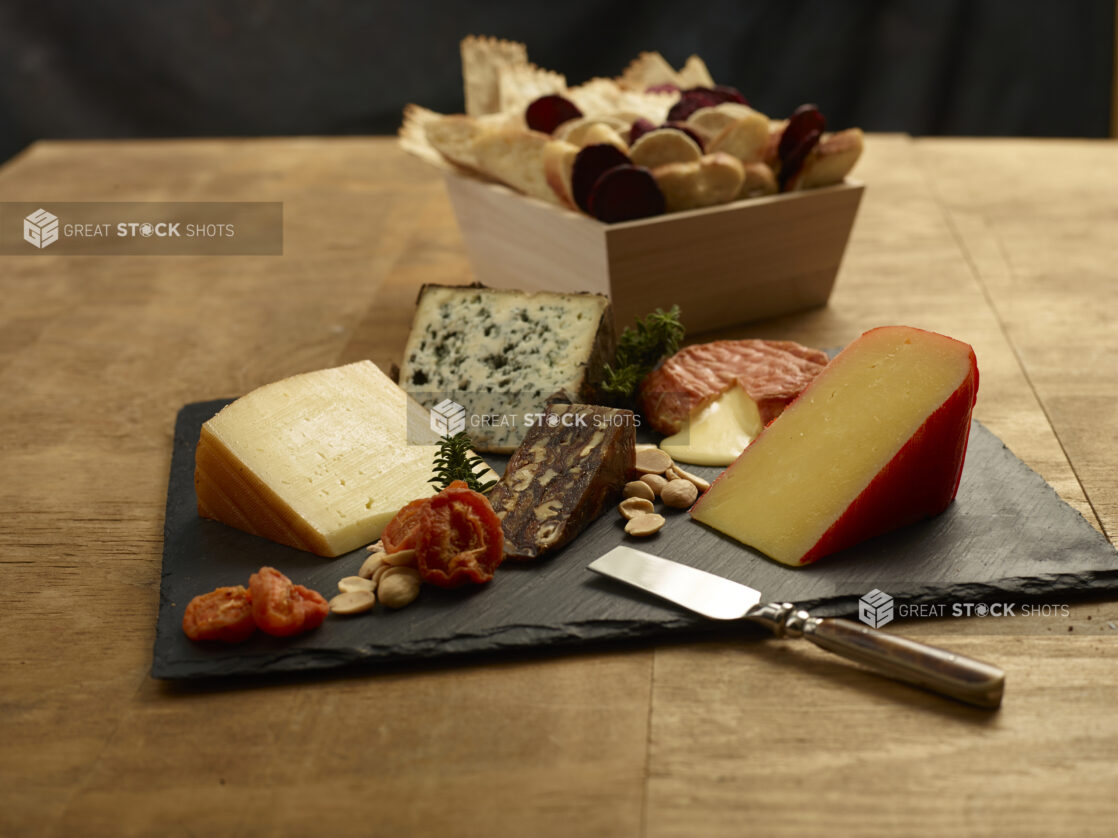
{"type": "Point", "coordinates": [504, 355]}
{"type": "Point", "coordinates": [321, 461]}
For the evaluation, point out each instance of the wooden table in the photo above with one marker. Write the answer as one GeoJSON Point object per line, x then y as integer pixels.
{"type": "Point", "coordinates": [1006, 244]}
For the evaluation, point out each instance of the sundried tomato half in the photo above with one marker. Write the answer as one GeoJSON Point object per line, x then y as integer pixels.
{"type": "Point", "coordinates": [281, 608]}
{"type": "Point", "coordinates": [460, 539]}
{"type": "Point", "coordinates": [402, 530]}
{"type": "Point", "coordinates": [224, 614]}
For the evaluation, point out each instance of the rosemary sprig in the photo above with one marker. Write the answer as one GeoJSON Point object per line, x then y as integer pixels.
{"type": "Point", "coordinates": [640, 349]}
{"type": "Point", "coordinates": [453, 462]}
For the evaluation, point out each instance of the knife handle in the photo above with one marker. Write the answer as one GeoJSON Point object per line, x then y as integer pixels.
{"type": "Point", "coordinates": [938, 670]}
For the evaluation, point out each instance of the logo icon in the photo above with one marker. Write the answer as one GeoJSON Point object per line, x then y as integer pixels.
{"type": "Point", "coordinates": [448, 418]}
{"type": "Point", "coordinates": [40, 228]}
{"type": "Point", "coordinates": [875, 609]}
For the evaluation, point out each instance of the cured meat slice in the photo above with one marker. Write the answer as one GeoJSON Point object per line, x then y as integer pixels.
{"type": "Point", "coordinates": [571, 467]}
{"type": "Point", "coordinates": [771, 372]}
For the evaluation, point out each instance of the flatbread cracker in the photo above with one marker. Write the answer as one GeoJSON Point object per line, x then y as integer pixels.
{"type": "Point", "coordinates": [453, 137]}
{"type": "Point", "coordinates": [647, 70]}
{"type": "Point", "coordinates": [694, 73]}
{"type": "Point", "coordinates": [518, 85]}
{"type": "Point", "coordinates": [515, 157]}
{"type": "Point", "coordinates": [447, 141]}
{"type": "Point", "coordinates": [605, 97]}
{"type": "Point", "coordinates": [482, 58]}
{"type": "Point", "coordinates": [413, 135]}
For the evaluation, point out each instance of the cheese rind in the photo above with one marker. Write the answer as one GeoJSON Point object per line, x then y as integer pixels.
{"type": "Point", "coordinates": [320, 461]}
{"type": "Point", "coordinates": [876, 442]}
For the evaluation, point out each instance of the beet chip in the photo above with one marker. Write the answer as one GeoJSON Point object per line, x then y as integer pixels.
{"type": "Point", "coordinates": [703, 97]}
{"type": "Point", "coordinates": [590, 163]}
{"type": "Point", "coordinates": [626, 192]}
{"type": "Point", "coordinates": [639, 128]}
{"type": "Point", "coordinates": [801, 135]}
{"type": "Point", "coordinates": [549, 112]}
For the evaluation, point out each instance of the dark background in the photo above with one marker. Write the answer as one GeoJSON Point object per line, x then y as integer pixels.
{"type": "Point", "coordinates": [156, 68]}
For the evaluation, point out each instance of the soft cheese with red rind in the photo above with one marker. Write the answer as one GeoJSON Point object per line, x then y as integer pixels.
{"type": "Point", "coordinates": [771, 372]}
{"type": "Point", "coordinates": [876, 442]}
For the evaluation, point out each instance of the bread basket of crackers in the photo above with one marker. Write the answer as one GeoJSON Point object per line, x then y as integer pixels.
{"type": "Point", "coordinates": [656, 187]}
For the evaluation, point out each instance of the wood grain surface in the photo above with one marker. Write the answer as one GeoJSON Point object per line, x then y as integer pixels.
{"type": "Point", "coordinates": [1005, 244]}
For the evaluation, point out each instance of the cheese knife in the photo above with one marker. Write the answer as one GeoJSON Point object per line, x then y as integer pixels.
{"type": "Point", "coordinates": [931, 668]}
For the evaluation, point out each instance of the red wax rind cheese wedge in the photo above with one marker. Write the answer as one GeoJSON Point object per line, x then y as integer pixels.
{"type": "Point", "coordinates": [876, 442]}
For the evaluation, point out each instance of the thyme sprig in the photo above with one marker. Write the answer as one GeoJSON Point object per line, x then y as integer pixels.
{"type": "Point", "coordinates": [640, 349]}
{"type": "Point", "coordinates": [453, 462]}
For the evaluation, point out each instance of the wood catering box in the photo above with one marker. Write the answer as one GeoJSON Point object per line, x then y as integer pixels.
{"type": "Point", "coordinates": [722, 265]}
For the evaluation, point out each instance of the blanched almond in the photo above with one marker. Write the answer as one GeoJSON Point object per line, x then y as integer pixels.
{"type": "Point", "coordinates": [369, 566]}
{"type": "Point", "coordinates": [700, 484]}
{"type": "Point", "coordinates": [353, 602]}
{"type": "Point", "coordinates": [398, 570]}
{"type": "Point", "coordinates": [632, 507]}
{"type": "Point", "coordinates": [653, 461]}
{"type": "Point", "coordinates": [679, 493]}
{"type": "Point", "coordinates": [399, 590]}
{"type": "Point", "coordinates": [350, 584]}
{"type": "Point", "coordinates": [639, 489]}
{"type": "Point", "coordinates": [656, 482]}
{"type": "Point", "coordinates": [400, 558]}
{"type": "Point", "coordinates": [644, 525]}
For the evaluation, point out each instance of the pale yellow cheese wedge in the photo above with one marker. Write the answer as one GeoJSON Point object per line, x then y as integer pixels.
{"type": "Point", "coordinates": [718, 432]}
{"type": "Point", "coordinates": [320, 461]}
{"type": "Point", "coordinates": [874, 443]}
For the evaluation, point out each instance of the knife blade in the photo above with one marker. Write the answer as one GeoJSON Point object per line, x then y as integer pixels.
{"type": "Point", "coordinates": [962, 678]}
{"type": "Point", "coordinates": [696, 590]}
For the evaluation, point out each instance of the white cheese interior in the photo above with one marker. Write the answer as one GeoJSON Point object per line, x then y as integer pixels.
{"type": "Point", "coordinates": [716, 434]}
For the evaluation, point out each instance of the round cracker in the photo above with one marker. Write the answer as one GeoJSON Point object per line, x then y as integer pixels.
{"type": "Point", "coordinates": [713, 179]}
{"type": "Point", "coordinates": [662, 146]}
{"type": "Point", "coordinates": [574, 127]}
{"type": "Point", "coordinates": [743, 138]}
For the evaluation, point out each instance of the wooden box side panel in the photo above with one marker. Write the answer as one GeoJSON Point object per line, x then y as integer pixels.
{"type": "Point", "coordinates": [729, 265]}
{"type": "Point", "coordinates": [518, 242]}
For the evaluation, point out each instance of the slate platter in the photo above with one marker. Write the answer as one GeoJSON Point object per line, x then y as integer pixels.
{"type": "Point", "coordinates": [1008, 537]}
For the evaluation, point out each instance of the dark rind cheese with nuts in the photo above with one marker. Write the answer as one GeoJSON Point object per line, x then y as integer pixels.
{"type": "Point", "coordinates": [569, 469]}
{"type": "Point", "coordinates": [505, 354]}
